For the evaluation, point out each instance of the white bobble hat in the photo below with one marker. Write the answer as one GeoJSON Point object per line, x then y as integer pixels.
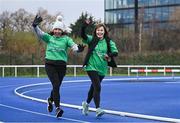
{"type": "Point", "coordinates": [58, 25]}
{"type": "Point", "coordinates": [59, 18]}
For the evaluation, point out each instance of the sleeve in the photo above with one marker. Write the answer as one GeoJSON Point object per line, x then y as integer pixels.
{"type": "Point", "coordinates": [75, 48]}
{"type": "Point", "coordinates": [41, 35]}
{"type": "Point", "coordinates": [113, 47]}
{"type": "Point", "coordinates": [72, 45]}
{"type": "Point", "coordinates": [88, 40]}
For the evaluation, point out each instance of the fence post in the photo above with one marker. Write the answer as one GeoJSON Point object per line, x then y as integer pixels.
{"type": "Point", "coordinates": [146, 71]}
{"type": "Point", "coordinates": [15, 71]}
{"type": "Point", "coordinates": [74, 71]}
{"type": "Point", "coordinates": [110, 71]}
{"type": "Point", "coordinates": [164, 71]}
{"type": "Point", "coordinates": [128, 71]}
{"type": "Point", "coordinates": [38, 71]}
{"type": "Point", "coordinates": [2, 71]}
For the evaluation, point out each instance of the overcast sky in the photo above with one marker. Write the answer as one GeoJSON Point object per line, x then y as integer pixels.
{"type": "Point", "coordinates": [71, 9]}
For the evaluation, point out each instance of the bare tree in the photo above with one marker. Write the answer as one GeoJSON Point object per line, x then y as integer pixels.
{"type": "Point", "coordinates": [47, 19]}
{"type": "Point", "coordinates": [5, 23]}
{"type": "Point", "coordinates": [21, 20]}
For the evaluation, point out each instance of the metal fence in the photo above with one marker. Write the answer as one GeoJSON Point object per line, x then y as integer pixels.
{"type": "Point", "coordinates": [126, 68]}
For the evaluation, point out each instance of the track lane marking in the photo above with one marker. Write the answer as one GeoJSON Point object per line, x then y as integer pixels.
{"type": "Point", "coordinates": [38, 113]}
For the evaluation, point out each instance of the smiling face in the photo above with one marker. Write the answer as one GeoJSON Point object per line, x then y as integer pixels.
{"type": "Point", "coordinates": [57, 32]}
{"type": "Point", "coordinates": [100, 31]}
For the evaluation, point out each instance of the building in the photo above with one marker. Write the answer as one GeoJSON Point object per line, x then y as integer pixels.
{"type": "Point", "coordinates": [127, 16]}
{"type": "Point", "coordinates": [123, 11]}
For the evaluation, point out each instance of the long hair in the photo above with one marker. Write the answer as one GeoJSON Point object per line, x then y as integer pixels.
{"type": "Point", "coordinates": [106, 35]}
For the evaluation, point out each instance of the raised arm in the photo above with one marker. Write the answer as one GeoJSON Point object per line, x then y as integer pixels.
{"type": "Point", "coordinates": [37, 20]}
{"type": "Point", "coordinates": [83, 29]}
{"type": "Point", "coordinates": [83, 32]}
{"type": "Point", "coordinates": [39, 32]}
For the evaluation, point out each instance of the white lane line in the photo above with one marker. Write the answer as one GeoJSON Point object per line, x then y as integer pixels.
{"type": "Point", "coordinates": [172, 82]}
{"type": "Point", "coordinates": [71, 86]}
{"type": "Point", "coordinates": [38, 113]}
{"type": "Point", "coordinates": [35, 90]}
{"type": "Point", "coordinates": [6, 86]}
{"type": "Point", "coordinates": [149, 117]}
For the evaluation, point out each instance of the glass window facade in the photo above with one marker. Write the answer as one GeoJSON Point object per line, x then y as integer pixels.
{"type": "Point", "coordinates": [122, 11]}
{"type": "Point", "coordinates": [114, 4]}
{"type": "Point", "coordinates": [120, 16]}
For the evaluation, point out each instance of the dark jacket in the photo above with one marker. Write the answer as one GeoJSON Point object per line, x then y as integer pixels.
{"type": "Point", "coordinates": [93, 44]}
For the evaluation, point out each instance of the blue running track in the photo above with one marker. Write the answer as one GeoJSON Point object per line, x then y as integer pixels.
{"type": "Point", "coordinates": [125, 99]}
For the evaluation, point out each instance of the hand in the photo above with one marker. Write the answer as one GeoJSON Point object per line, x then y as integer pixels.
{"type": "Point", "coordinates": [87, 21]}
{"type": "Point", "coordinates": [37, 20]}
{"type": "Point", "coordinates": [107, 58]}
{"type": "Point", "coordinates": [81, 47]}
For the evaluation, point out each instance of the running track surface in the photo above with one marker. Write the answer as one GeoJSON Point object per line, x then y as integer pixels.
{"type": "Point", "coordinates": [151, 97]}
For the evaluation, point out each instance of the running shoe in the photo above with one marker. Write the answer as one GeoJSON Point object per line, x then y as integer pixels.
{"type": "Point", "coordinates": [49, 105]}
{"type": "Point", "coordinates": [85, 108]}
{"type": "Point", "coordinates": [59, 112]}
{"type": "Point", "coordinates": [99, 112]}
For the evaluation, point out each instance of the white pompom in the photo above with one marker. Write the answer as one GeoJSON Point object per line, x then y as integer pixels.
{"type": "Point", "coordinates": [59, 18]}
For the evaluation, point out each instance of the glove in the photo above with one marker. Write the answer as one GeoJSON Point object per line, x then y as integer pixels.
{"type": "Point", "coordinates": [81, 47]}
{"type": "Point", "coordinates": [37, 20]}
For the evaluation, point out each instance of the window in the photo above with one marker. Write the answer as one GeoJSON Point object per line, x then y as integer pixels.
{"type": "Point", "coordinates": [108, 4]}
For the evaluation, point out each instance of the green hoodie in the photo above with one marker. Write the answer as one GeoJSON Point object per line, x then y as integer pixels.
{"type": "Point", "coordinates": [96, 61]}
{"type": "Point", "coordinates": [57, 47]}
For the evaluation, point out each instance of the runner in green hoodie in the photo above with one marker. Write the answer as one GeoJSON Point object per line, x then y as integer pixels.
{"type": "Point", "coordinates": [55, 58]}
{"type": "Point", "coordinates": [101, 53]}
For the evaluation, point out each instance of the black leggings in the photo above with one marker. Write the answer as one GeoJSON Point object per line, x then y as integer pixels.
{"type": "Point", "coordinates": [55, 74]}
{"type": "Point", "coordinates": [95, 88]}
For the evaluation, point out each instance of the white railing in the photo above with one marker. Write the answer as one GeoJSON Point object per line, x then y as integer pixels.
{"type": "Point", "coordinates": [33, 66]}
{"type": "Point", "coordinates": [128, 68]}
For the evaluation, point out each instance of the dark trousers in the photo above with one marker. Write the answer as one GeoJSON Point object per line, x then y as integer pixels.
{"type": "Point", "coordinates": [55, 74]}
{"type": "Point", "coordinates": [95, 88]}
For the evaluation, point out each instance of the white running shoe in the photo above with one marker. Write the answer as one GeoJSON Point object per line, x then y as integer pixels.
{"type": "Point", "coordinates": [99, 112]}
{"type": "Point", "coordinates": [85, 108]}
